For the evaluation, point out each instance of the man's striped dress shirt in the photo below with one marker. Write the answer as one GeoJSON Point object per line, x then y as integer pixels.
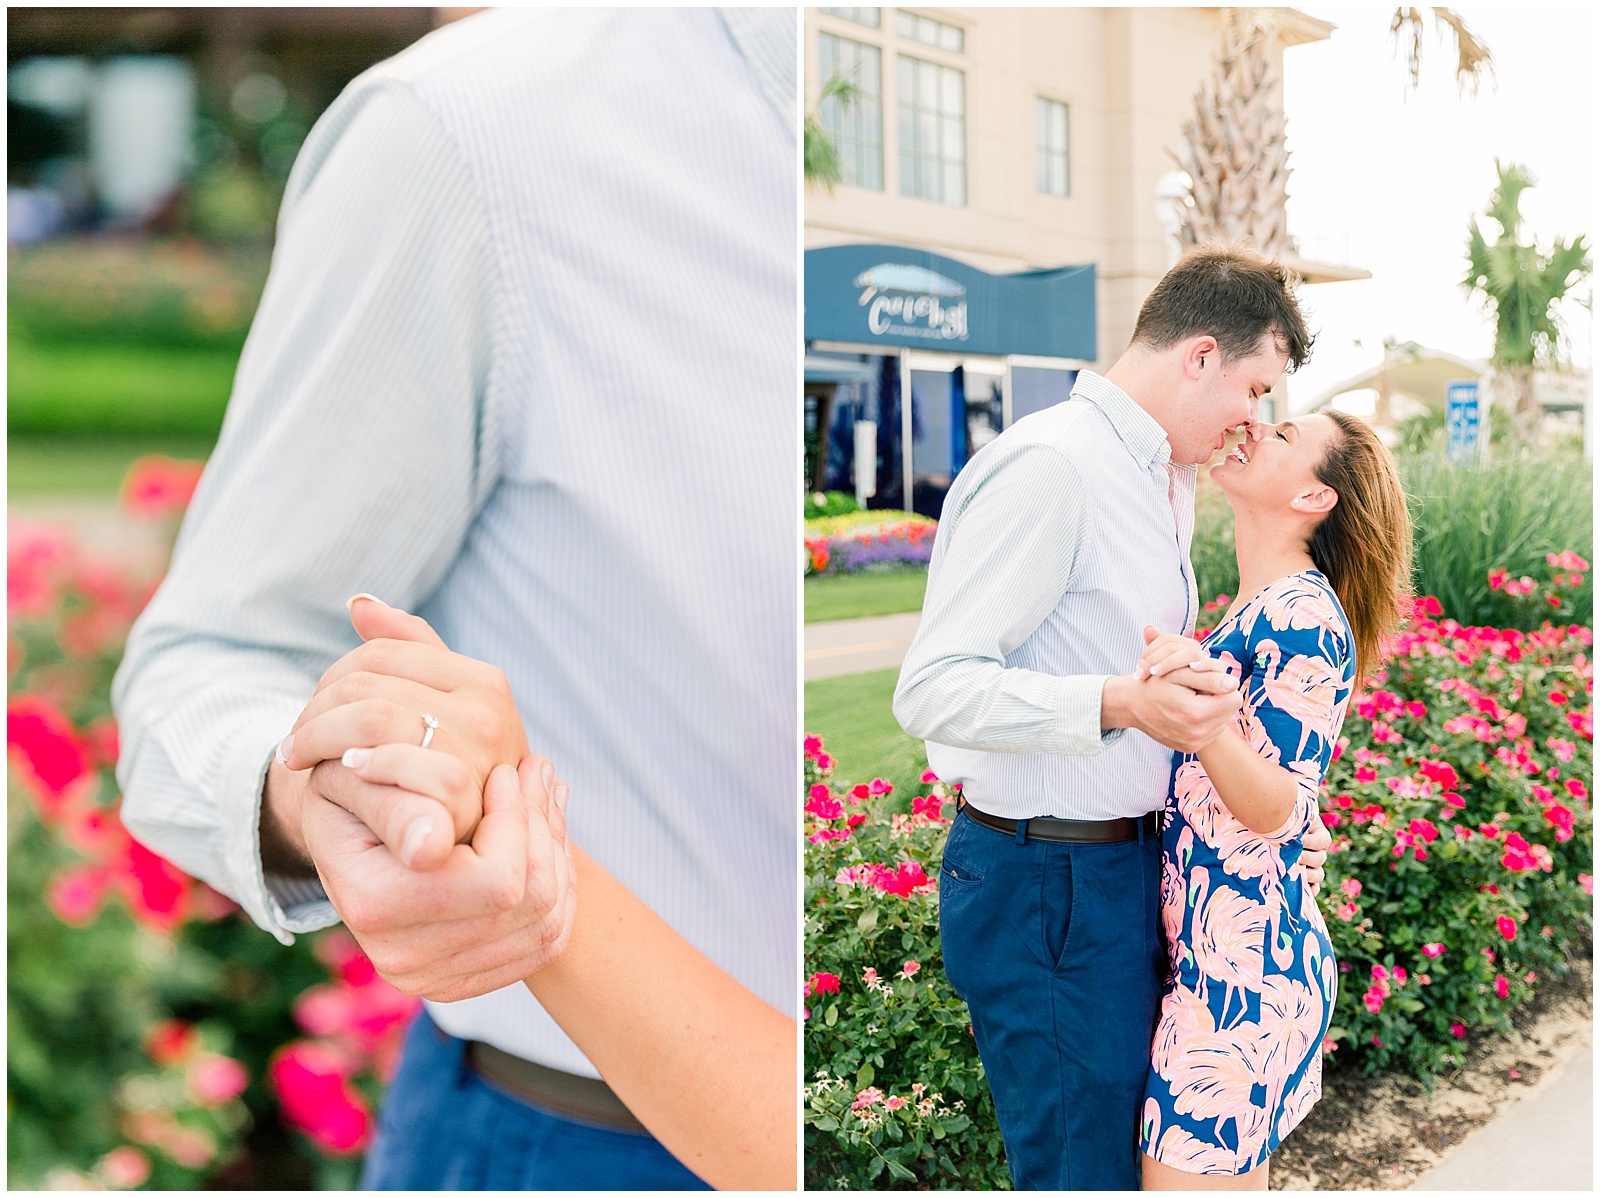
{"type": "Point", "coordinates": [525, 364]}
{"type": "Point", "coordinates": [1059, 541]}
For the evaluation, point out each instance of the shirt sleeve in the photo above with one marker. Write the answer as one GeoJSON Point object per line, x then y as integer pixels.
{"type": "Point", "coordinates": [1299, 685]}
{"type": "Point", "coordinates": [1010, 553]}
{"type": "Point", "coordinates": [359, 440]}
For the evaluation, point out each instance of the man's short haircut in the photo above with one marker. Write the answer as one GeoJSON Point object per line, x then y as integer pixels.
{"type": "Point", "coordinates": [1230, 293]}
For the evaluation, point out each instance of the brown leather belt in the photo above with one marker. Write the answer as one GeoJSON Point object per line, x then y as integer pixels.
{"type": "Point", "coordinates": [581, 1099]}
{"type": "Point", "coordinates": [1073, 831]}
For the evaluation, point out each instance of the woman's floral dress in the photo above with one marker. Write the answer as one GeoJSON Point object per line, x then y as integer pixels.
{"type": "Point", "coordinates": [1237, 1059]}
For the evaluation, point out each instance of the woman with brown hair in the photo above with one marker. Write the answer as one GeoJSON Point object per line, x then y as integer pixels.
{"type": "Point", "coordinates": [1324, 549]}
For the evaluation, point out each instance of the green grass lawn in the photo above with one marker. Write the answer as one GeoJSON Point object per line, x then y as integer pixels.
{"type": "Point", "coordinates": [846, 596]}
{"type": "Point", "coordinates": [94, 466]}
{"type": "Point", "coordinates": [110, 388]}
{"type": "Point", "coordinates": [852, 715]}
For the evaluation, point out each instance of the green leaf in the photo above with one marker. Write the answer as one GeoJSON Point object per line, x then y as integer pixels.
{"type": "Point", "coordinates": [864, 1075]}
{"type": "Point", "coordinates": [831, 1015]}
{"type": "Point", "coordinates": [867, 921]}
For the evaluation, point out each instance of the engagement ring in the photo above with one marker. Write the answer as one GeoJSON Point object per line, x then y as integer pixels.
{"type": "Point", "coordinates": [429, 725]}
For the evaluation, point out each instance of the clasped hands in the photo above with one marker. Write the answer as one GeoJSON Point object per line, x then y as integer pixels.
{"type": "Point", "coordinates": [448, 864]}
{"type": "Point", "coordinates": [1185, 698]}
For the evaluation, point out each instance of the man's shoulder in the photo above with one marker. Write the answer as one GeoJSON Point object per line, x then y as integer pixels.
{"type": "Point", "coordinates": [453, 45]}
{"type": "Point", "coordinates": [1076, 429]}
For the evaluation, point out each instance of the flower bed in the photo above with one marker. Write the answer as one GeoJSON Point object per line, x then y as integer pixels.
{"type": "Point", "coordinates": [156, 1038]}
{"type": "Point", "coordinates": [1461, 878]}
{"type": "Point", "coordinates": [868, 540]}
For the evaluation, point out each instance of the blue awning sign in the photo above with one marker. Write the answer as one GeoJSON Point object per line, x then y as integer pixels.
{"type": "Point", "coordinates": [897, 295]}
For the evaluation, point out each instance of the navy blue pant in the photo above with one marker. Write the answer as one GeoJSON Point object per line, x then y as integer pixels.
{"type": "Point", "coordinates": [445, 1128]}
{"type": "Point", "coordinates": [1057, 950]}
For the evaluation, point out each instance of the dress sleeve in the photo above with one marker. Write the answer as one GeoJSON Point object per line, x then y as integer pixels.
{"type": "Point", "coordinates": [357, 446]}
{"type": "Point", "coordinates": [1301, 670]}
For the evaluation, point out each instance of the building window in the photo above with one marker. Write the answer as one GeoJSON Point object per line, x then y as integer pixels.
{"type": "Point", "coordinates": [861, 16]}
{"type": "Point", "coordinates": [856, 128]}
{"type": "Point", "coordinates": [929, 33]}
{"type": "Point", "coordinates": [1050, 147]}
{"type": "Point", "coordinates": [933, 142]}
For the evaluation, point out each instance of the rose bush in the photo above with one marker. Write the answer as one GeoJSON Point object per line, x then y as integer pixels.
{"type": "Point", "coordinates": [1460, 879]}
{"type": "Point", "coordinates": [894, 1093]}
{"type": "Point", "coordinates": [155, 1037]}
{"type": "Point", "coordinates": [1463, 832]}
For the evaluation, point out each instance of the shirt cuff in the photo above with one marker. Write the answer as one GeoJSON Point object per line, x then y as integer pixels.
{"type": "Point", "coordinates": [1078, 716]}
{"type": "Point", "coordinates": [244, 774]}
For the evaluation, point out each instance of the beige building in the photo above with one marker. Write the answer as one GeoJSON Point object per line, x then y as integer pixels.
{"type": "Point", "coordinates": [1006, 140]}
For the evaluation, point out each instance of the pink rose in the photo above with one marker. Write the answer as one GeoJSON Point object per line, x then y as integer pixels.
{"type": "Point", "coordinates": [214, 1080]}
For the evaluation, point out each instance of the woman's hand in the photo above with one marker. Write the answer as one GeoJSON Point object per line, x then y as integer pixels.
{"type": "Point", "coordinates": [376, 695]}
{"type": "Point", "coordinates": [1166, 652]}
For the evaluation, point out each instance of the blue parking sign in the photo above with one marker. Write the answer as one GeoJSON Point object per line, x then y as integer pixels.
{"type": "Point", "coordinates": [1461, 420]}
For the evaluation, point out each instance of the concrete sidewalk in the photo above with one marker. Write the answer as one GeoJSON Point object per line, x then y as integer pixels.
{"type": "Point", "coordinates": [837, 647]}
{"type": "Point", "coordinates": [1543, 1141]}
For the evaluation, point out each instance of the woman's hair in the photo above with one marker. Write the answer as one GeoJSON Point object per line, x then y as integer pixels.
{"type": "Point", "coordinates": [1363, 545]}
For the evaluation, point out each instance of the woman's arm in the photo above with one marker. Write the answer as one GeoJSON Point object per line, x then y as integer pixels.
{"type": "Point", "coordinates": [1260, 795]}
{"type": "Point", "coordinates": [702, 1062]}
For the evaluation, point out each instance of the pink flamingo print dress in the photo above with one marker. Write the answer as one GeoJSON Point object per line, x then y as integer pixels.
{"type": "Point", "coordinates": [1237, 1058]}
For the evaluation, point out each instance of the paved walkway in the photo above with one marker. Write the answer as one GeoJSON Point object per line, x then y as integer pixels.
{"type": "Point", "coordinates": [837, 647]}
{"type": "Point", "coordinates": [1543, 1141]}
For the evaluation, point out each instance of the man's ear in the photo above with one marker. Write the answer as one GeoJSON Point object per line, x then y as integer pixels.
{"type": "Point", "coordinates": [1200, 354]}
{"type": "Point", "coordinates": [1318, 501]}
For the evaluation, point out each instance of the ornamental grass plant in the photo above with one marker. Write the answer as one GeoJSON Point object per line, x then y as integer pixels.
{"type": "Point", "coordinates": [1460, 880]}
{"type": "Point", "coordinates": [155, 1037]}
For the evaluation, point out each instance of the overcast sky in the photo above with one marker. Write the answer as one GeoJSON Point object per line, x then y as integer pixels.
{"type": "Point", "coordinates": [1394, 177]}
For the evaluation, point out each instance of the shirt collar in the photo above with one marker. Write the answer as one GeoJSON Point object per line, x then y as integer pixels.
{"type": "Point", "coordinates": [1145, 439]}
{"type": "Point", "coordinates": [766, 38]}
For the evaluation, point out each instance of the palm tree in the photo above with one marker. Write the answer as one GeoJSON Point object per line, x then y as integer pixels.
{"type": "Point", "coordinates": [1523, 286]}
{"type": "Point", "coordinates": [1234, 152]}
{"type": "Point", "coordinates": [821, 159]}
{"type": "Point", "coordinates": [1473, 61]}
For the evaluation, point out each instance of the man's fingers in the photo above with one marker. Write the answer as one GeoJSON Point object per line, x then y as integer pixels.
{"type": "Point", "coordinates": [1319, 840]}
{"type": "Point", "coordinates": [501, 841]}
{"type": "Point", "coordinates": [374, 619]}
{"type": "Point", "coordinates": [418, 830]}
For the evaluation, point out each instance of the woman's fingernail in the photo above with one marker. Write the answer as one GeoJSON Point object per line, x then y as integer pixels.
{"type": "Point", "coordinates": [350, 603]}
{"type": "Point", "coordinates": [285, 747]}
{"type": "Point", "coordinates": [547, 774]}
{"type": "Point", "coordinates": [561, 793]}
{"type": "Point", "coordinates": [356, 758]}
{"type": "Point", "coordinates": [1154, 670]}
{"type": "Point", "coordinates": [416, 836]}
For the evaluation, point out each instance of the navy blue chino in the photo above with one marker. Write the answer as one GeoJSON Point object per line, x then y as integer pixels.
{"type": "Point", "coordinates": [1056, 948]}
{"type": "Point", "coordinates": [443, 1127]}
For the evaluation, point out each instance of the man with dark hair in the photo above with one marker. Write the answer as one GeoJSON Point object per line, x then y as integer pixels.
{"type": "Point", "coordinates": [1232, 294]}
{"type": "Point", "coordinates": [1062, 549]}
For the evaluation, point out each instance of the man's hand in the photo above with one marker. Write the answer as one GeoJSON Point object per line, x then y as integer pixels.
{"type": "Point", "coordinates": [376, 695]}
{"type": "Point", "coordinates": [1184, 709]}
{"type": "Point", "coordinates": [1314, 854]}
{"type": "Point", "coordinates": [498, 909]}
